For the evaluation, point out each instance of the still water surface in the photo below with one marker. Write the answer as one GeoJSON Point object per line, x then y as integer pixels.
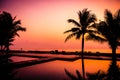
{"type": "Point", "coordinates": [54, 70]}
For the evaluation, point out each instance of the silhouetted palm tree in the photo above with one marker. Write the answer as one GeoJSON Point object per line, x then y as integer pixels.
{"type": "Point", "coordinates": [9, 28]}
{"type": "Point", "coordinates": [82, 27]}
{"type": "Point", "coordinates": [109, 30]}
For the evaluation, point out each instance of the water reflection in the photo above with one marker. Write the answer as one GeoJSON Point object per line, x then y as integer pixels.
{"type": "Point", "coordinates": [54, 70]}
{"type": "Point", "coordinates": [18, 59]}
{"type": "Point", "coordinates": [47, 55]}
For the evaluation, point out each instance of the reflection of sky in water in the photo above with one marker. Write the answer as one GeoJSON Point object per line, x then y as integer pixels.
{"type": "Point", "coordinates": [49, 55]}
{"type": "Point", "coordinates": [54, 70]}
{"type": "Point", "coordinates": [17, 59]}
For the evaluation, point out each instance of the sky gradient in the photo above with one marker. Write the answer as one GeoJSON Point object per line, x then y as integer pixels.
{"type": "Point", "coordinates": [46, 20]}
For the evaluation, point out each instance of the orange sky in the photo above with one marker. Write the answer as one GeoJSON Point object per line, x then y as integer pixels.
{"type": "Point", "coordinates": [46, 20]}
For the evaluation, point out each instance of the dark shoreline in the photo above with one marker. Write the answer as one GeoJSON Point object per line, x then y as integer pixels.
{"type": "Point", "coordinates": [66, 53]}
{"type": "Point", "coordinates": [43, 59]}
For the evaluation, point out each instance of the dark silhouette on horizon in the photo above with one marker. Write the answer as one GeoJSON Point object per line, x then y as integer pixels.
{"type": "Point", "coordinates": [9, 28]}
{"type": "Point", "coordinates": [108, 31]}
{"type": "Point", "coordinates": [81, 28]}
{"type": "Point", "coordinates": [104, 31]}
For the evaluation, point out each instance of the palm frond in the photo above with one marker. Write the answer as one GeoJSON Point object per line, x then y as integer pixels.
{"type": "Point", "coordinates": [74, 22]}
{"type": "Point", "coordinates": [14, 18]}
{"type": "Point", "coordinates": [19, 28]}
{"type": "Point", "coordinates": [95, 38]}
{"type": "Point", "coordinates": [70, 36]}
{"type": "Point", "coordinates": [92, 31]}
{"type": "Point", "coordinates": [116, 26]}
{"type": "Point", "coordinates": [74, 29]}
{"type": "Point", "coordinates": [108, 17]}
{"type": "Point", "coordinates": [7, 15]}
{"type": "Point", "coordinates": [93, 25]}
{"type": "Point", "coordinates": [70, 75]}
{"type": "Point", "coordinates": [78, 35]}
{"type": "Point", "coordinates": [103, 28]}
{"type": "Point", "coordinates": [107, 31]}
{"type": "Point", "coordinates": [67, 31]}
{"type": "Point", "coordinates": [84, 17]}
{"type": "Point", "coordinates": [11, 40]}
{"type": "Point", "coordinates": [92, 18]}
{"type": "Point", "coordinates": [100, 75]}
{"type": "Point", "coordinates": [79, 16]}
{"type": "Point", "coordinates": [16, 22]}
{"type": "Point", "coordinates": [17, 34]}
{"type": "Point", "coordinates": [79, 75]}
{"type": "Point", "coordinates": [117, 15]}
{"type": "Point", "coordinates": [85, 12]}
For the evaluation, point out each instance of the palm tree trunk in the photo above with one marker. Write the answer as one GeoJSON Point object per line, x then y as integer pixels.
{"type": "Point", "coordinates": [83, 70]}
{"type": "Point", "coordinates": [1, 47]}
{"type": "Point", "coordinates": [2, 51]}
{"type": "Point", "coordinates": [7, 50]}
{"type": "Point", "coordinates": [114, 56]}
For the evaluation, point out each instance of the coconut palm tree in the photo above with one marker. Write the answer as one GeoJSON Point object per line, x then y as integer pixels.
{"type": "Point", "coordinates": [81, 28]}
{"type": "Point", "coordinates": [109, 31]}
{"type": "Point", "coordinates": [9, 28]}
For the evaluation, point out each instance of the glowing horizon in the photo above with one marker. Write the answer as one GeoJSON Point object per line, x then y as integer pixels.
{"type": "Point", "coordinates": [46, 20]}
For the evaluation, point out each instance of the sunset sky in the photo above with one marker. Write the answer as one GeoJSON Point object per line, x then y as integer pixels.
{"type": "Point", "coordinates": [46, 20]}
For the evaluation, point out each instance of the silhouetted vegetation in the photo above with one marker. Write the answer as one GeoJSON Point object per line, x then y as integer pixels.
{"type": "Point", "coordinates": [72, 76]}
{"type": "Point", "coordinates": [108, 31]}
{"type": "Point", "coordinates": [104, 31]}
{"type": "Point", "coordinates": [6, 72]}
{"type": "Point", "coordinates": [113, 73]}
{"type": "Point", "coordinates": [9, 28]}
{"type": "Point", "coordinates": [82, 27]}
{"type": "Point", "coordinates": [100, 75]}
